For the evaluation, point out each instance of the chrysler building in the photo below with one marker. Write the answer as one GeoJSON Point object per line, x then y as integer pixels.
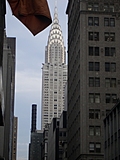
{"type": "Point", "coordinates": [54, 74]}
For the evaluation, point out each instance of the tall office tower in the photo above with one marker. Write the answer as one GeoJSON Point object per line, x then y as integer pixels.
{"type": "Point", "coordinates": [33, 120]}
{"type": "Point", "coordinates": [93, 73]}
{"type": "Point", "coordinates": [54, 74]}
{"type": "Point", "coordinates": [36, 138]}
{"type": "Point", "coordinates": [9, 54]}
{"type": "Point", "coordinates": [14, 146]}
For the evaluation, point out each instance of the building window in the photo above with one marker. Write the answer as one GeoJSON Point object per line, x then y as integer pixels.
{"type": "Point", "coordinates": [93, 6]}
{"type": "Point", "coordinates": [111, 98]}
{"type": "Point", "coordinates": [91, 130]}
{"type": "Point", "coordinates": [94, 66]}
{"type": "Point", "coordinates": [110, 82]}
{"type": "Point", "coordinates": [93, 51]}
{"type": "Point", "coordinates": [109, 22]}
{"type": "Point", "coordinates": [94, 130]}
{"type": "Point", "coordinates": [90, 6]}
{"type": "Point", "coordinates": [108, 98]}
{"type": "Point", "coordinates": [94, 114]}
{"type": "Point", "coordinates": [93, 21]}
{"type": "Point", "coordinates": [98, 147]}
{"type": "Point", "coordinates": [94, 82]}
{"type": "Point", "coordinates": [106, 7]}
{"type": "Point", "coordinates": [94, 36]}
{"type": "Point", "coordinates": [106, 21]}
{"type": "Point", "coordinates": [94, 97]}
{"type": "Point", "coordinates": [110, 51]}
{"type": "Point", "coordinates": [91, 81]}
{"type": "Point", "coordinates": [91, 147]}
{"type": "Point", "coordinates": [97, 130]}
{"type": "Point", "coordinates": [94, 147]}
{"type": "Point", "coordinates": [97, 82]}
{"type": "Point", "coordinates": [109, 36]}
{"type": "Point", "coordinates": [110, 67]}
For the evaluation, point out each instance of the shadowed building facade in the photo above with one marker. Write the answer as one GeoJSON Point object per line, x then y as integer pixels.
{"type": "Point", "coordinates": [35, 137]}
{"type": "Point", "coordinates": [93, 73]}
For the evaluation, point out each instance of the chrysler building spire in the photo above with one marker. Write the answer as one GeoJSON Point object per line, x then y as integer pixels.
{"type": "Point", "coordinates": [55, 42]}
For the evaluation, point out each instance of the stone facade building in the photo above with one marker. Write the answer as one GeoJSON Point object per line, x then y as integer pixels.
{"type": "Point", "coordinates": [93, 73]}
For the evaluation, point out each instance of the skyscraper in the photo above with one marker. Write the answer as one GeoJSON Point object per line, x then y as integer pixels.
{"type": "Point", "coordinates": [35, 137]}
{"type": "Point", "coordinates": [54, 74]}
{"type": "Point", "coordinates": [93, 73]}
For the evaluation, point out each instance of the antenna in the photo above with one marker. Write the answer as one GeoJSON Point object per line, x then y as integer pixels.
{"type": "Point", "coordinates": [55, 3]}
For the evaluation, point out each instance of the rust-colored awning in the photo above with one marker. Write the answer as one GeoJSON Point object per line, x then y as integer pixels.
{"type": "Point", "coordinates": [34, 14]}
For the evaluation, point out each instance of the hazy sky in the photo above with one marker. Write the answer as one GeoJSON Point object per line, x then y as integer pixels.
{"type": "Point", "coordinates": [30, 52]}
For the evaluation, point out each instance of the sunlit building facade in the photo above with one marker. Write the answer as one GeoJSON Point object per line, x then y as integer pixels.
{"type": "Point", "coordinates": [54, 74]}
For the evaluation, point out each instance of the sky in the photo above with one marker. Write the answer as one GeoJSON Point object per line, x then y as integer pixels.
{"type": "Point", "coordinates": [30, 54]}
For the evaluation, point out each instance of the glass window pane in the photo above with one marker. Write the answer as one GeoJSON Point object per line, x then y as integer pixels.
{"type": "Point", "coordinates": [96, 51]}
{"type": "Point", "coordinates": [96, 36]}
{"type": "Point", "coordinates": [112, 22]}
{"type": "Point", "coordinates": [91, 114]}
{"type": "Point", "coordinates": [113, 52]}
{"type": "Point", "coordinates": [91, 36]}
{"type": "Point", "coordinates": [106, 7]}
{"type": "Point", "coordinates": [96, 21]}
{"type": "Point", "coordinates": [106, 21]}
{"type": "Point", "coordinates": [97, 82]}
{"type": "Point", "coordinates": [107, 82]}
{"type": "Point", "coordinates": [91, 147]}
{"type": "Point", "coordinates": [113, 67]}
{"type": "Point", "coordinates": [90, 21]}
{"type": "Point", "coordinates": [107, 67]}
{"type": "Point", "coordinates": [108, 98]}
{"type": "Point", "coordinates": [90, 7]}
{"type": "Point", "coordinates": [97, 98]}
{"type": "Point", "coordinates": [91, 130]}
{"type": "Point", "coordinates": [91, 66]}
{"type": "Point", "coordinates": [114, 98]}
{"type": "Point", "coordinates": [112, 8]}
{"type": "Point", "coordinates": [96, 7]}
{"type": "Point", "coordinates": [113, 82]}
{"type": "Point", "coordinates": [97, 131]}
{"type": "Point", "coordinates": [112, 36]}
{"type": "Point", "coordinates": [107, 51]}
{"type": "Point", "coordinates": [97, 66]}
{"type": "Point", "coordinates": [98, 147]}
{"type": "Point", "coordinates": [107, 36]}
{"type": "Point", "coordinates": [97, 114]}
{"type": "Point", "coordinates": [90, 51]}
{"type": "Point", "coordinates": [91, 82]}
{"type": "Point", "coordinates": [91, 98]}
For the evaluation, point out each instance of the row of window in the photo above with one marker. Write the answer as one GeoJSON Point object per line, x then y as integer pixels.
{"type": "Point", "coordinates": [94, 130]}
{"type": "Point", "coordinates": [109, 98]}
{"type": "Point", "coordinates": [95, 51]}
{"type": "Point", "coordinates": [95, 82]}
{"type": "Point", "coordinates": [108, 22]}
{"type": "Point", "coordinates": [95, 7]}
{"type": "Point", "coordinates": [108, 36]}
{"type": "Point", "coordinates": [109, 66]}
{"type": "Point", "coordinates": [95, 147]}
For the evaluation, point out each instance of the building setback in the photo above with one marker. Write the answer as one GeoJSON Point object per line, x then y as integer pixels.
{"type": "Point", "coordinates": [54, 74]}
{"type": "Point", "coordinates": [93, 74]}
